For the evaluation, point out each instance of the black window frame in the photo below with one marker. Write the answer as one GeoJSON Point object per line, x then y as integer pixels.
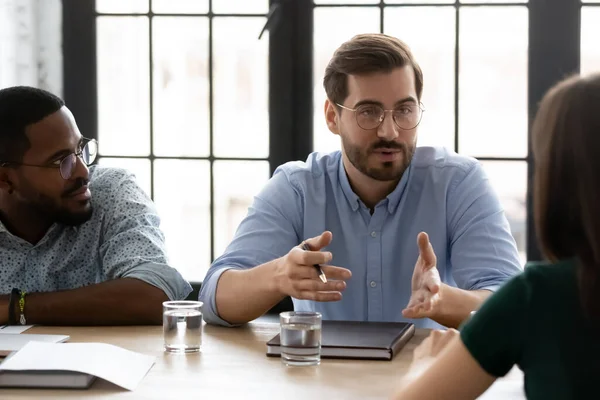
{"type": "Point", "coordinates": [553, 53]}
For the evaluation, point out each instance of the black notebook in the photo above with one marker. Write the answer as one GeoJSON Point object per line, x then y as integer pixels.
{"type": "Point", "coordinates": [357, 339]}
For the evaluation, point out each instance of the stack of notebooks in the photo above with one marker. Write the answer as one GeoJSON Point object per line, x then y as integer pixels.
{"type": "Point", "coordinates": [357, 340]}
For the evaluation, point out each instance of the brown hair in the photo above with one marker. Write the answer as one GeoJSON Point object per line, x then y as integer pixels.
{"type": "Point", "coordinates": [566, 146]}
{"type": "Point", "coordinates": [364, 54]}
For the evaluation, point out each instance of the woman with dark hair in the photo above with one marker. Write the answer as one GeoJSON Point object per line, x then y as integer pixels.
{"type": "Point", "coordinates": [546, 320]}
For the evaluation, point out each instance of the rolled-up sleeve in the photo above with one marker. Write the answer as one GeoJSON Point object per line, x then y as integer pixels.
{"type": "Point", "coordinates": [483, 251]}
{"type": "Point", "coordinates": [133, 245]}
{"type": "Point", "coordinates": [269, 231]}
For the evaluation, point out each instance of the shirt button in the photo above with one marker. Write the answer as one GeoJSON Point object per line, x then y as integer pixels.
{"type": "Point", "coordinates": [373, 234]}
{"type": "Point", "coordinates": [373, 283]}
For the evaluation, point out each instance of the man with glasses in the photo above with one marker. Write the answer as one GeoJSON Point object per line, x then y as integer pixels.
{"type": "Point", "coordinates": [79, 244]}
{"type": "Point", "coordinates": [413, 233]}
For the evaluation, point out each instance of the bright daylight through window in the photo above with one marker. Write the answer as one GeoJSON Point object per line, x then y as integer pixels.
{"type": "Point", "coordinates": [191, 119]}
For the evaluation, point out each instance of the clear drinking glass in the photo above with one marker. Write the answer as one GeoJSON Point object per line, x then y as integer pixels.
{"type": "Point", "coordinates": [182, 326]}
{"type": "Point", "coordinates": [300, 338]}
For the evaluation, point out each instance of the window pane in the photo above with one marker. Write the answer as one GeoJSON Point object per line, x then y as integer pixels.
{"type": "Point", "coordinates": [493, 81]}
{"type": "Point", "coordinates": [180, 6]}
{"type": "Point", "coordinates": [236, 184]}
{"type": "Point", "coordinates": [122, 6]}
{"type": "Point", "coordinates": [181, 192]}
{"type": "Point", "coordinates": [509, 180]}
{"type": "Point", "coordinates": [180, 76]}
{"type": "Point", "coordinates": [590, 32]}
{"type": "Point", "coordinates": [241, 88]}
{"type": "Point", "coordinates": [346, 1]}
{"type": "Point", "coordinates": [493, 1]}
{"type": "Point", "coordinates": [348, 21]}
{"type": "Point", "coordinates": [434, 51]}
{"type": "Point", "coordinates": [241, 7]}
{"type": "Point", "coordinates": [419, 1]}
{"type": "Point", "coordinates": [123, 90]}
{"type": "Point", "coordinates": [139, 167]}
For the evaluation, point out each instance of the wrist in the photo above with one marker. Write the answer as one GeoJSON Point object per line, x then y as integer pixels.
{"type": "Point", "coordinates": [452, 306]}
{"type": "Point", "coordinates": [456, 305]}
{"type": "Point", "coordinates": [12, 307]}
{"type": "Point", "coordinates": [4, 309]}
{"type": "Point", "coordinates": [277, 275]}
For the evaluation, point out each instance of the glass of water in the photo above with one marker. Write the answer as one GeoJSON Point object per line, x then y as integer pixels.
{"type": "Point", "coordinates": [300, 338]}
{"type": "Point", "coordinates": [182, 326]}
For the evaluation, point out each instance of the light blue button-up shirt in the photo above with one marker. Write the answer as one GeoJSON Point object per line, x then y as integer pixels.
{"type": "Point", "coordinates": [122, 239]}
{"type": "Point", "coordinates": [442, 193]}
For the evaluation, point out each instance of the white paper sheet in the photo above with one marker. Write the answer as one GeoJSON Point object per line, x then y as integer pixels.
{"type": "Point", "coordinates": [14, 328]}
{"type": "Point", "coordinates": [117, 365]}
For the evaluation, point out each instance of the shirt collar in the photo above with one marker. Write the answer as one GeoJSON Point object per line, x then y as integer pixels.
{"type": "Point", "coordinates": [353, 199]}
{"type": "Point", "coordinates": [54, 228]}
{"type": "Point", "coordinates": [393, 198]}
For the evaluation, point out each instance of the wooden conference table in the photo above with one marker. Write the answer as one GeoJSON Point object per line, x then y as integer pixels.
{"type": "Point", "coordinates": [233, 365]}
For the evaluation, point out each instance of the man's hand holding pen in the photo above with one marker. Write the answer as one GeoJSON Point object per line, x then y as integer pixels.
{"type": "Point", "coordinates": [298, 273]}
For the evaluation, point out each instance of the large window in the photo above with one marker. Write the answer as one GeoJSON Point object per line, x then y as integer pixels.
{"type": "Point", "coordinates": [474, 61]}
{"type": "Point", "coordinates": [183, 103]}
{"type": "Point", "coordinates": [184, 94]}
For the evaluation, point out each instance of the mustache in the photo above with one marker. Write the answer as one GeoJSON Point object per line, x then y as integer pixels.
{"type": "Point", "coordinates": [79, 183]}
{"type": "Point", "coordinates": [382, 144]}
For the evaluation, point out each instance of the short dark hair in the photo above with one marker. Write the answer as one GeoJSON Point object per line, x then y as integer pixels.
{"type": "Point", "coordinates": [364, 54]}
{"type": "Point", "coordinates": [21, 106]}
{"type": "Point", "coordinates": [565, 141]}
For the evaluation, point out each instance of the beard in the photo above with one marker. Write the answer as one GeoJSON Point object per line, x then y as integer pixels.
{"type": "Point", "coordinates": [71, 218]}
{"type": "Point", "coordinates": [48, 209]}
{"type": "Point", "coordinates": [386, 171]}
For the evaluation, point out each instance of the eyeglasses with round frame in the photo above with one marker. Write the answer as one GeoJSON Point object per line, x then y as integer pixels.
{"type": "Point", "coordinates": [88, 150]}
{"type": "Point", "coordinates": [370, 116]}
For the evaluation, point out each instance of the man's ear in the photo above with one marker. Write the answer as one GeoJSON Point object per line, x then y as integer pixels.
{"type": "Point", "coordinates": [332, 117]}
{"type": "Point", "coordinates": [5, 180]}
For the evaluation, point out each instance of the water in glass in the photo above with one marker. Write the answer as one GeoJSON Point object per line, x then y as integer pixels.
{"type": "Point", "coordinates": [182, 330]}
{"type": "Point", "coordinates": [300, 344]}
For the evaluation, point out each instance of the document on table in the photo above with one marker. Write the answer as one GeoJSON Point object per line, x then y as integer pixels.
{"type": "Point", "coordinates": [122, 367]}
{"type": "Point", "coordinates": [14, 342]}
{"type": "Point", "coordinates": [14, 328]}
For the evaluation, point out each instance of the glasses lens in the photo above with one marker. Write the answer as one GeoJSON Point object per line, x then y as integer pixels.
{"type": "Point", "coordinates": [67, 165]}
{"type": "Point", "coordinates": [369, 116]}
{"type": "Point", "coordinates": [89, 152]}
{"type": "Point", "coordinates": [408, 116]}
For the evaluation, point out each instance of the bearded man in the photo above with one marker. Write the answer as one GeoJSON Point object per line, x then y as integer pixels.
{"type": "Point", "coordinates": [80, 244]}
{"type": "Point", "coordinates": [371, 214]}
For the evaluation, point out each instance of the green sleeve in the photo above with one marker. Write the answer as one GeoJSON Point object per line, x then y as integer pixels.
{"type": "Point", "coordinates": [496, 333]}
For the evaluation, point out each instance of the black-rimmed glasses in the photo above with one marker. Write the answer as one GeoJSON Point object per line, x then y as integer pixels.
{"type": "Point", "coordinates": [66, 165]}
{"type": "Point", "coordinates": [370, 116]}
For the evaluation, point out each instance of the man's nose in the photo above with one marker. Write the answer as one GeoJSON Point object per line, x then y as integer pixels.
{"type": "Point", "coordinates": [387, 129]}
{"type": "Point", "coordinates": [80, 170]}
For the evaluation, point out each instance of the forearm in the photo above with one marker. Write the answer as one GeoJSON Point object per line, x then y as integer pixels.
{"type": "Point", "coordinates": [457, 304]}
{"type": "Point", "coordinates": [244, 295]}
{"type": "Point", "coordinates": [125, 301]}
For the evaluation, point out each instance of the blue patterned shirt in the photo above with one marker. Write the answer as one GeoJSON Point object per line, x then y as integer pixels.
{"type": "Point", "coordinates": [121, 240]}
{"type": "Point", "coordinates": [442, 193]}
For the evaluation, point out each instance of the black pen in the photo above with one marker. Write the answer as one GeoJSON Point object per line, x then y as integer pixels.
{"type": "Point", "coordinates": [317, 266]}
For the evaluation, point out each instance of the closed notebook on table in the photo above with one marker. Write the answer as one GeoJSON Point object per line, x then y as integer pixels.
{"type": "Point", "coordinates": [45, 379]}
{"type": "Point", "coordinates": [357, 339]}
